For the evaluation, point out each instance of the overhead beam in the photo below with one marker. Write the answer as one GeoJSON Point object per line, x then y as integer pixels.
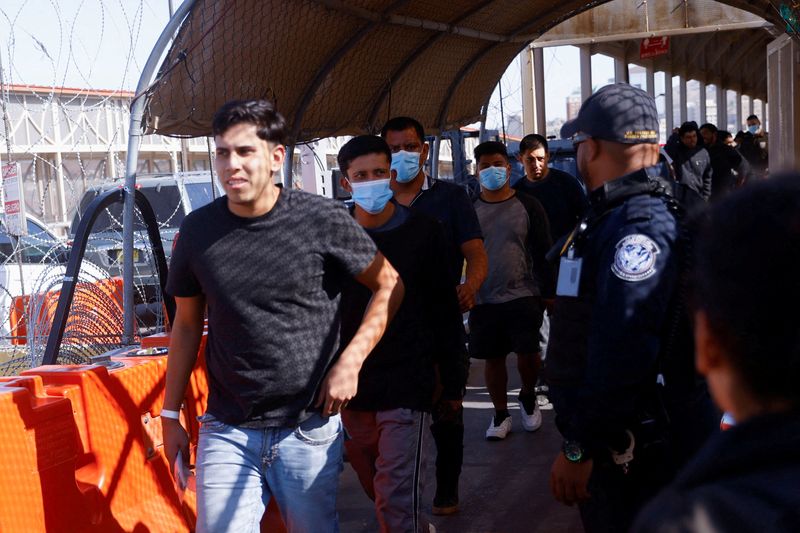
{"type": "Point", "coordinates": [425, 24]}
{"type": "Point", "coordinates": [645, 34]}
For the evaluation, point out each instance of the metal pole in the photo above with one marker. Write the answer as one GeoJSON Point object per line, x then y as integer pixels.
{"type": "Point", "coordinates": [435, 157]}
{"type": "Point", "coordinates": [288, 166]}
{"type": "Point", "coordinates": [586, 72]}
{"type": "Point", "coordinates": [702, 101]}
{"type": "Point", "coordinates": [684, 111]}
{"type": "Point", "coordinates": [538, 83]}
{"type": "Point", "coordinates": [502, 112]}
{"type": "Point", "coordinates": [528, 92]}
{"type": "Point", "coordinates": [131, 161]}
{"type": "Point", "coordinates": [211, 169]}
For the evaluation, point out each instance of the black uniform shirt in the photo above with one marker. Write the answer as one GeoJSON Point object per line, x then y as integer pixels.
{"type": "Point", "coordinates": [605, 342]}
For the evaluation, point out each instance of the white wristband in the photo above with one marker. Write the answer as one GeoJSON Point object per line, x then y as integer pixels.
{"type": "Point", "coordinates": [168, 413]}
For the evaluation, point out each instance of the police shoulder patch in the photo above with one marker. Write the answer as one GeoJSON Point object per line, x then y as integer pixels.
{"type": "Point", "coordinates": [635, 258]}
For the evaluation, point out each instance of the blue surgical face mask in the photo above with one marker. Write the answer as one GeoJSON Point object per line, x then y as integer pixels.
{"type": "Point", "coordinates": [406, 164]}
{"type": "Point", "coordinates": [372, 196]}
{"type": "Point", "coordinates": [753, 128]}
{"type": "Point", "coordinates": [493, 178]}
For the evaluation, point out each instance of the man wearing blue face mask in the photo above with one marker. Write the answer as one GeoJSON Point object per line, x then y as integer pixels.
{"type": "Point", "coordinates": [509, 307]}
{"type": "Point", "coordinates": [386, 419]}
{"type": "Point", "coordinates": [449, 204]}
{"type": "Point", "coordinates": [754, 146]}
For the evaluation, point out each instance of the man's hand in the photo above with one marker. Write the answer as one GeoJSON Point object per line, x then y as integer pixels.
{"type": "Point", "coordinates": [175, 438]}
{"type": "Point", "coordinates": [338, 387]}
{"type": "Point", "coordinates": [466, 297]}
{"type": "Point", "coordinates": [568, 480]}
{"type": "Point", "coordinates": [476, 271]}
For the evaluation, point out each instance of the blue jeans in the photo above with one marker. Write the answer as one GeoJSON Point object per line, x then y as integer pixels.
{"type": "Point", "coordinates": [238, 469]}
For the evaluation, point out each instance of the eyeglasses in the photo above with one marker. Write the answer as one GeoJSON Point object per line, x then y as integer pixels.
{"type": "Point", "coordinates": [578, 138]}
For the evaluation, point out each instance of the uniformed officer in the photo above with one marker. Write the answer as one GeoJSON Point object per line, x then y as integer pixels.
{"type": "Point", "coordinates": [617, 314]}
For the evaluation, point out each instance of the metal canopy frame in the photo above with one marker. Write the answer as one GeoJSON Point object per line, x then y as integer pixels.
{"type": "Point", "coordinates": [135, 133]}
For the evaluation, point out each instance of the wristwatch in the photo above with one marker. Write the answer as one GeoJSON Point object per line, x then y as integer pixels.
{"type": "Point", "coordinates": [574, 451]}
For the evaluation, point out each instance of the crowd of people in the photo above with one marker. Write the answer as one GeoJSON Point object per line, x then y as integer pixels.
{"type": "Point", "coordinates": [325, 322]}
{"type": "Point", "coordinates": [712, 162]}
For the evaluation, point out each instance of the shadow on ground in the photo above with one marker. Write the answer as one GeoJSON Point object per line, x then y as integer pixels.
{"type": "Point", "coordinates": [504, 485]}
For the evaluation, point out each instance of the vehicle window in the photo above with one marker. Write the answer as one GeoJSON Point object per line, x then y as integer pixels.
{"type": "Point", "coordinates": [199, 194]}
{"type": "Point", "coordinates": [6, 247]}
{"type": "Point", "coordinates": [166, 203]}
{"type": "Point", "coordinates": [38, 246]}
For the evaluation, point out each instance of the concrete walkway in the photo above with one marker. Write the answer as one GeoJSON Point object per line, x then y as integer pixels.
{"type": "Point", "coordinates": [504, 485]}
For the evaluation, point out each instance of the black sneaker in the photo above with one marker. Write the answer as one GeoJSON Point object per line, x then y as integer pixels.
{"type": "Point", "coordinates": [443, 506]}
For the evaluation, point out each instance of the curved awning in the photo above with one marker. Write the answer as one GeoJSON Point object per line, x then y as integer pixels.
{"type": "Point", "coordinates": [337, 67]}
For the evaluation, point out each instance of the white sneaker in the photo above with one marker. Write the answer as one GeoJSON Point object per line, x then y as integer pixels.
{"type": "Point", "coordinates": [499, 432]}
{"type": "Point", "coordinates": [533, 421]}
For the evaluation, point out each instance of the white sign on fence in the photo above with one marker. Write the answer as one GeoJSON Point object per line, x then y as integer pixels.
{"type": "Point", "coordinates": [14, 203]}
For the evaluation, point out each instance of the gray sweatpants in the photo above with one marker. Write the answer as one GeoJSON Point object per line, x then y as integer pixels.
{"type": "Point", "coordinates": [385, 449]}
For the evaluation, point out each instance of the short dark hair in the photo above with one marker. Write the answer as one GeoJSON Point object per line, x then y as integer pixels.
{"type": "Point", "coordinates": [753, 117]}
{"type": "Point", "coordinates": [722, 135]}
{"type": "Point", "coordinates": [401, 124]}
{"type": "Point", "coordinates": [490, 148]}
{"type": "Point", "coordinates": [361, 145]}
{"type": "Point", "coordinates": [532, 142]}
{"type": "Point", "coordinates": [746, 284]}
{"type": "Point", "coordinates": [687, 127]}
{"type": "Point", "coordinates": [710, 127]}
{"type": "Point", "coordinates": [270, 125]}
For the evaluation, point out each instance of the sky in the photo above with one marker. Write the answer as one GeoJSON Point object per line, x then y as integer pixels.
{"type": "Point", "coordinates": [103, 44]}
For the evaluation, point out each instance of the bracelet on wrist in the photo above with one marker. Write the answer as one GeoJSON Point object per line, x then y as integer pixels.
{"type": "Point", "coordinates": [169, 413]}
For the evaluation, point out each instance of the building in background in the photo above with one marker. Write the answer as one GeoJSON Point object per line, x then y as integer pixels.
{"type": "Point", "coordinates": [67, 140]}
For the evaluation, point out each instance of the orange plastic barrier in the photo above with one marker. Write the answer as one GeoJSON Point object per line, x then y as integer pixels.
{"type": "Point", "coordinates": [107, 300]}
{"type": "Point", "coordinates": [82, 448]}
{"type": "Point", "coordinates": [272, 521]}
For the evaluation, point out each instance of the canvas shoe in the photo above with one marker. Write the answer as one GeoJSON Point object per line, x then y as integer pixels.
{"type": "Point", "coordinates": [500, 431]}
{"type": "Point", "coordinates": [533, 421]}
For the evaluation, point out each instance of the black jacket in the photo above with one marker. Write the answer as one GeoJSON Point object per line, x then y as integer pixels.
{"type": "Point", "coordinates": [692, 168]}
{"type": "Point", "coordinates": [746, 479]}
{"type": "Point", "coordinates": [728, 166]}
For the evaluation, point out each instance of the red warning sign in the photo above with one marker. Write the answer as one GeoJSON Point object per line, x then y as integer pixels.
{"type": "Point", "coordinates": [653, 47]}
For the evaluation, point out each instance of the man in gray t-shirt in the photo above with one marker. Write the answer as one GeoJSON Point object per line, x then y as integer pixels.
{"type": "Point", "coordinates": [509, 307]}
{"type": "Point", "coordinates": [269, 265]}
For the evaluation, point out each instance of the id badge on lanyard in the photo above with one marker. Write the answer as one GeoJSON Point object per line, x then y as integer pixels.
{"type": "Point", "coordinates": [569, 275]}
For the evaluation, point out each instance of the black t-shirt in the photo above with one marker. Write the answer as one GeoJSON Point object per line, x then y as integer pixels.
{"type": "Point", "coordinates": [562, 197]}
{"type": "Point", "coordinates": [449, 204]}
{"type": "Point", "coordinates": [272, 284]}
{"type": "Point", "coordinates": [427, 328]}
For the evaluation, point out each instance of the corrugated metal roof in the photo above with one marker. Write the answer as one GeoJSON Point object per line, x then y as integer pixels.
{"type": "Point", "coordinates": [339, 67]}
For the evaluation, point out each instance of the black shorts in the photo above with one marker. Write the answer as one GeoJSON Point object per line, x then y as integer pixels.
{"type": "Point", "coordinates": [495, 330]}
